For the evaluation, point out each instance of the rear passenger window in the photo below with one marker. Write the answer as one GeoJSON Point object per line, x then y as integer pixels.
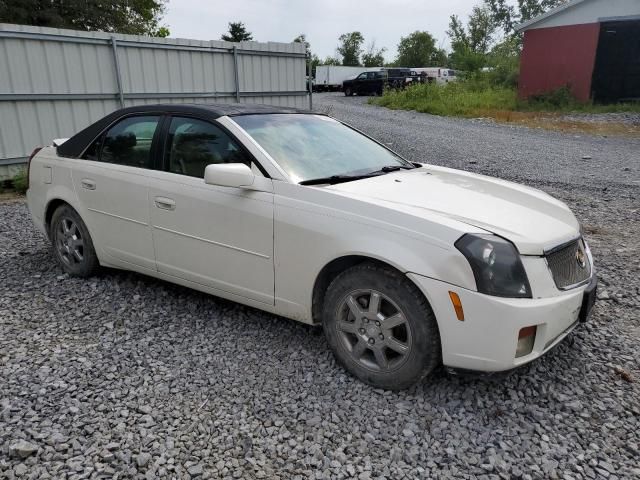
{"type": "Point", "coordinates": [193, 144]}
{"type": "Point", "coordinates": [128, 142]}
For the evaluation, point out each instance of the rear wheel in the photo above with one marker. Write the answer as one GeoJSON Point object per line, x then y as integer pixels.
{"type": "Point", "coordinates": [348, 92]}
{"type": "Point", "coordinates": [72, 244]}
{"type": "Point", "coordinates": [380, 327]}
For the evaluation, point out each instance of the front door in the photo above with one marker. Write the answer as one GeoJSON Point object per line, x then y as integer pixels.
{"type": "Point", "coordinates": [111, 183]}
{"type": "Point", "coordinates": [360, 84]}
{"type": "Point", "coordinates": [220, 237]}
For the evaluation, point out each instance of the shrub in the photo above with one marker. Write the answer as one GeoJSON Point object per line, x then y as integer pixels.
{"type": "Point", "coordinates": [466, 98]}
{"type": "Point", "coordinates": [561, 98]}
{"type": "Point", "coordinates": [19, 182]}
{"type": "Point", "coordinates": [504, 63]}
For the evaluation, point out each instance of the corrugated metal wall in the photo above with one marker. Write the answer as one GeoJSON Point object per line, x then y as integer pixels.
{"type": "Point", "coordinates": [55, 82]}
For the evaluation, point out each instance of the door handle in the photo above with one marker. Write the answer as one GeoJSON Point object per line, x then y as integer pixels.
{"type": "Point", "coordinates": [88, 184]}
{"type": "Point", "coordinates": [165, 203]}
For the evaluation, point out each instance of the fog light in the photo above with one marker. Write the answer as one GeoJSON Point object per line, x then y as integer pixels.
{"type": "Point", "coordinates": [526, 339]}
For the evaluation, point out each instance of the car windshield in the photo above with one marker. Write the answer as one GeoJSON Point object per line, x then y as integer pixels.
{"type": "Point", "coordinates": [316, 146]}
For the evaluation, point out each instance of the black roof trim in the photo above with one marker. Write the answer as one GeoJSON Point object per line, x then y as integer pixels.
{"type": "Point", "coordinates": [78, 143]}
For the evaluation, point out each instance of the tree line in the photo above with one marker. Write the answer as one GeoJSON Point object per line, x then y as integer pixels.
{"type": "Point", "coordinates": [136, 17]}
{"type": "Point", "coordinates": [487, 40]}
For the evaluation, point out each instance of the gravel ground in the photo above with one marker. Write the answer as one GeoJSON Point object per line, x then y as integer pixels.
{"type": "Point", "coordinates": [125, 376]}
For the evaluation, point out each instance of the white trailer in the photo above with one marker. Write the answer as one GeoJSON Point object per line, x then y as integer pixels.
{"type": "Point", "coordinates": [330, 77]}
{"type": "Point", "coordinates": [440, 75]}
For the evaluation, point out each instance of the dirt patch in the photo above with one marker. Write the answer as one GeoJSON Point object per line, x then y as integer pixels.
{"type": "Point", "coordinates": [560, 122]}
{"type": "Point", "coordinates": [10, 197]}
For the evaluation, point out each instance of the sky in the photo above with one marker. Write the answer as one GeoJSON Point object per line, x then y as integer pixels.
{"type": "Point", "coordinates": [323, 21]}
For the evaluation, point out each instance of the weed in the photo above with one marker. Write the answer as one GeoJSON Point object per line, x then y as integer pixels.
{"type": "Point", "coordinates": [19, 182]}
{"type": "Point", "coordinates": [478, 96]}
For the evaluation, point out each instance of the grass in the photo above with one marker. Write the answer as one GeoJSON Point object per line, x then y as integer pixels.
{"type": "Point", "coordinates": [20, 182]}
{"type": "Point", "coordinates": [473, 99]}
{"type": "Point", "coordinates": [14, 186]}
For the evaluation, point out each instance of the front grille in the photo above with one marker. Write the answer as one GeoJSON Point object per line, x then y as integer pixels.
{"type": "Point", "coordinates": [567, 266]}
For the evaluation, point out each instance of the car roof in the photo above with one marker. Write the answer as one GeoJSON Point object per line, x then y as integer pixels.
{"type": "Point", "coordinates": [211, 109]}
{"type": "Point", "coordinates": [76, 145]}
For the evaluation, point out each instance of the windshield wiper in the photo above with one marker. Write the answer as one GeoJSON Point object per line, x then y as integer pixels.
{"type": "Point", "coordinates": [394, 168]}
{"type": "Point", "coordinates": [333, 179]}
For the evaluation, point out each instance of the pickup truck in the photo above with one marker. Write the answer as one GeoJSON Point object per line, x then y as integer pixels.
{"type": "Point", "coordinates": [373, 83]}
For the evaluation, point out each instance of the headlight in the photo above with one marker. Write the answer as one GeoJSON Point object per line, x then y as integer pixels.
{"type": "Point", "coordinates": [496, 265]}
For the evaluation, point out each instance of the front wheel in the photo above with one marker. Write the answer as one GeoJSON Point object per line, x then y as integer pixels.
{"type": "Point", "coordinates": [72, 244]}
{"type": "Point", "coordinates": [380, 327]}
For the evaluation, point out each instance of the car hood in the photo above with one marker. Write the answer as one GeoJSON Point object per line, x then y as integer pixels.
{"type": "Point", "coordinates": [531, 219]}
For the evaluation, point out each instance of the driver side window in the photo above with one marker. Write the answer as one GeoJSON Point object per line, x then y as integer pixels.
{"type": "Point", "coordinates": [193, 144]}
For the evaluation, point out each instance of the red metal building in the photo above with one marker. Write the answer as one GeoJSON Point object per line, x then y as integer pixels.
{"type": "Point", "coordinates": [591, 46]}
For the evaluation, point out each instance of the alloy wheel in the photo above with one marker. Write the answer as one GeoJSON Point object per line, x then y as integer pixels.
{"type": "Point", "coordinates": [374, 330]}
{"type": "Point", "coordinates": [69, 242]}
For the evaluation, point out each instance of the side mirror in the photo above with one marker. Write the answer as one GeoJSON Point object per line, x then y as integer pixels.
{"type": "Point", "coordinates": [228, 175]}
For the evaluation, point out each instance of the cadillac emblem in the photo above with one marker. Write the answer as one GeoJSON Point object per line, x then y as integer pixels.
{"type": "Point", "coordinates": [581, 258]}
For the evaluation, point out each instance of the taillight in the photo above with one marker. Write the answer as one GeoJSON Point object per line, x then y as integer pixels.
{"type": "Point", "coordinates": [33, 154]}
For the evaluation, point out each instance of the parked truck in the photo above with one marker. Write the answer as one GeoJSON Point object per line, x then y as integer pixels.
{"type": "Point", "coordinates": [331, 77]}
{"type": "Point", "coordinates": [374, 83]}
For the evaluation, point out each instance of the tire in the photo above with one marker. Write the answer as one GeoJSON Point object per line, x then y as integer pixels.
{"type": "Point", "coordinates": [348, 92]}
{"type": "Point", "coordinates": [72, 244]}
{"type": "Point", "coordinates": [391, 357]}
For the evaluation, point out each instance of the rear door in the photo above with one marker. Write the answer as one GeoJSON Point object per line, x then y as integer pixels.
{"type": "Point", "coordinates": [111, 183]}
{"type": "Point", "coordinates": [379, 79]}
{"type": "Point", "coordinates": [220, 237]}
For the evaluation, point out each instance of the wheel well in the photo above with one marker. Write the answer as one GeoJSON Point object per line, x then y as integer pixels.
{"type": "Point", "coordinates": [330, 272]}
{"type": "Point", "coordinates": [48, 214]}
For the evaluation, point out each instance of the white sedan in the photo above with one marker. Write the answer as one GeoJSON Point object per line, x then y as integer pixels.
{"type": "Point", "coordinates": [407, 266]}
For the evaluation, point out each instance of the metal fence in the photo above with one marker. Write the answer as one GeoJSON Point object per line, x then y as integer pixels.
{"type": "Point", "coordinates": [55, 82]}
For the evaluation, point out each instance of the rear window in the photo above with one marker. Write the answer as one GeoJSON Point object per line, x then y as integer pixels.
{"type": "Point", "coordinates": [128, 142]}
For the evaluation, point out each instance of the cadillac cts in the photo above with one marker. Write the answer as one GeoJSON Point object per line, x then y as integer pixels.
{"type": "Point", "coordinates": [405, 265]}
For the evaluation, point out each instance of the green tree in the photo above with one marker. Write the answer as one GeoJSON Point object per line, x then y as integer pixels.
{"type": "Point", "coordinates": [373, 57]}
{"type": "Point", "coordinates": [315, 60]}
{"type": "Point", "coordinates": [137, 17]}
{"type": "Point", "coordinates": [331, 61]}
{"type": "Point", "coordinates": [504, 62]}
{"type": "Point", "coordinates": [161, 32]}
{"type": "Point", "coordinates": [350, 48]}
{"type": "Point", "coordinates": [439, 58]}
{"type": "Point", "coordinates": [508, 16]}
{"type": "Point", "coordinates": [237, 33]}
{"type": "Point", "coordinates": [418, 49]}
{"type": "Point", "coordinates": [471, 43]}
{"type": "Point", "coordinates": [478, 34]}
{"type": "Point", "coordinates": [302, 38]}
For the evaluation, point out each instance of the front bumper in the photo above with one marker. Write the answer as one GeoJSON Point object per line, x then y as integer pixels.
{"type": "Point", "coordinates": [487, 339]}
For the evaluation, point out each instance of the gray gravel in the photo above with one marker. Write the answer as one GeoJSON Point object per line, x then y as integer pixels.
{"type": "Point", "coordinates": [125, 376]}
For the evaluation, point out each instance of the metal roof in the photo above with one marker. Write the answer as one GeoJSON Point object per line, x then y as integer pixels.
{"type": "Point", "coordinates": [550, 13]}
